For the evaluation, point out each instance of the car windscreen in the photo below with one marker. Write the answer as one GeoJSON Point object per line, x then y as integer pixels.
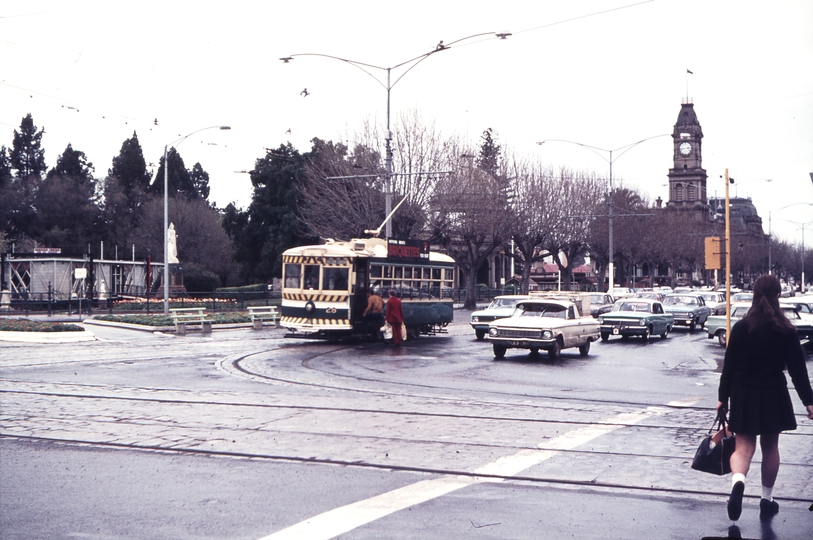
{"type": "Point", "coordinates": [503, 303]}
{"type": "Point", "coordinates": [541, 310]}
{"type": "Point", "coordinates": [638, 307]}
{"type": "Point", "coordinates": [680, 300]}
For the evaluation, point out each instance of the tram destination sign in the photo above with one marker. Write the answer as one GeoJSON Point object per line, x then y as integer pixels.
{"type": "Point", "coordinates": [407, 250]}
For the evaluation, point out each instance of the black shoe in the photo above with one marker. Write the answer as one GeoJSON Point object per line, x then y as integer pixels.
{"type": "Point", "coordinates": [735, 501]}
{"type": "Point", "coordinates": [768, 509]}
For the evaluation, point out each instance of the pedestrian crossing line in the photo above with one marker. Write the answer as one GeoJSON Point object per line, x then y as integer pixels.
{"type": "Point", "coordinates": [346, 518]}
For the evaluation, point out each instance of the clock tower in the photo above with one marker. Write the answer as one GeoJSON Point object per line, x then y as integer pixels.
{"type": "Point", "coordinates": [687, 178]}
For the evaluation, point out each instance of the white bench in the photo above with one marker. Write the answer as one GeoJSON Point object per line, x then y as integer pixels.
{"type": "Point", "coordinates": [259, 314]}
{"type": "Point", "coordinates": [183, 316]}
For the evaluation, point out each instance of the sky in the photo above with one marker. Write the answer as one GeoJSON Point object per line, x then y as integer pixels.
{"type": "Point", "coordinates": [604, 73]}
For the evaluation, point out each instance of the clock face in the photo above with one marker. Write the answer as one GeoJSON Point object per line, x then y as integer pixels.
{"type": "Point", "coordinates": [685, 148]}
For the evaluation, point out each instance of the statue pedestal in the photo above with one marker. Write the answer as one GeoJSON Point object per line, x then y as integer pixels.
{"type": "Point", "coordinates": [175, 279]}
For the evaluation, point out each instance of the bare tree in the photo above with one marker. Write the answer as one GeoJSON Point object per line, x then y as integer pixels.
{"type": "Point", "coordinates": [471, 218]}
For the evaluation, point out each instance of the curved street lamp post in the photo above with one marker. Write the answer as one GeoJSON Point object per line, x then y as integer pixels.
{"type": "Point", "coordinates": [175, 144]}
{"type": "Point", "coordinates": [388, 86]}
{"type": "Point", "coordinates": [610, 160]}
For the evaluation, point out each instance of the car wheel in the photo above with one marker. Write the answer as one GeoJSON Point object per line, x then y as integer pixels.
{"type": "Point", "coordinates": [480, 334]}
{"type": "Point", "coordinates": [665, 332]}
{"type": "Point", "coordinates": [584, 349]}
{"type": "Point", "coordinates": [555, 350]}
{"type": "Point", "coordinates": [625, 336]}
{"type": "Point", "coordinates": [646, 334]}
{"type": "Point", "coordinates": [499, 351]}
{"type": "Point", "coordinates": [605, 336]}
{"type": "Point", "coordinates": [534, 350]}
{"type": "Point", "coordinates": [721, 338]}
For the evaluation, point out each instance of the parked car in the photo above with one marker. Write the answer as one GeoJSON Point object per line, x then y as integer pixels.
{"type": "Point", "coordinates": [652, 295]}
{"type": "Point", "coordinates": [636, 317]}
{"type": "Point", "coordinates": [600, 303]}
{"type": "Point", "coordinates": [715, 326]}
{"type": "Point", "coordinates": [715, 300]}
{"type": "Point", "coordinates": [664, 289]}
{"type": "Point", "coordinates": [499, 308]}
{"type": "Point", "coordinates": [805, 309]}
{"type": "Point", "coordinates": [538, 324]}
{"type": "Point", "coordinates": [620, 292]}
{"type": "Point", "coordinates": [687, 309]}
{"type": "Point", "coordinates": [742, 297]}
{"type": "Point", "coordinates": [682, 290]}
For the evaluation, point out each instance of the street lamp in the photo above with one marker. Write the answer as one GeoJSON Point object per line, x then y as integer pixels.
{"type": "Point", "coordinates": [770, 236]}
{"type": "Point", "coordinates": [609, 160]}
{"type": "Point", "coordinates": [388, 86]}
{"type": "Point", "coordinates": [175, 144]}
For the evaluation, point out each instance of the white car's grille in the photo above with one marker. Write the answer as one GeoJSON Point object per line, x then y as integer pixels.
{"type": "Point", "coordinates": [514, 333]}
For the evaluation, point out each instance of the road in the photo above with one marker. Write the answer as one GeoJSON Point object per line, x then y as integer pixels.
{"type": "Point", "coordinates": [247, 434]}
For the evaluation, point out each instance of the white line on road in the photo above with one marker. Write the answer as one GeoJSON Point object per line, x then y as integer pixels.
{"type": "Point", "coordinates": [346, 518]}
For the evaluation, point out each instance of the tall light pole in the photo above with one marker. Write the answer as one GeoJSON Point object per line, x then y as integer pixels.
{"type": "Point", "coordinates": [388, 86]}
{"type": "Point", "coordinates": [609, 160]}
{"type": "Point", "coordinates": [175, 144]}
{"type": "Point", "coordinates": [770, 233]}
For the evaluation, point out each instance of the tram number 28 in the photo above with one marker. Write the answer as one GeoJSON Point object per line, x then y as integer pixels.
{"type": "Point", "coordinates": [330, 310]}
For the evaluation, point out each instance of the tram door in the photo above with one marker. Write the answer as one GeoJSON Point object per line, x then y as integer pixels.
{"type": "Point", "coordinates": [359, 301]}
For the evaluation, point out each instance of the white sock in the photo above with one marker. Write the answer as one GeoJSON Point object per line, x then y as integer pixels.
{"type": "Point", "coordinates": [766, 493]}
{"type": "Point", "coordinates": [737, 477]}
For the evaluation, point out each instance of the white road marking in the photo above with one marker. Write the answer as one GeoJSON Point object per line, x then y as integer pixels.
{"type": "Point", "coordinates": [346, 518]}
{"type": "Point", "coordinates": [684, 402]}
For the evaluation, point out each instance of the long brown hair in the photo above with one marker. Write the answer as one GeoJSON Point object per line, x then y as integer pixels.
{"type": "Point", "coordinates": [765, 310]}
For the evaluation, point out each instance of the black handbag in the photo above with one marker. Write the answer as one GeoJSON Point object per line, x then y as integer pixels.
{"type": "Point", "coordinates": [715, 450]}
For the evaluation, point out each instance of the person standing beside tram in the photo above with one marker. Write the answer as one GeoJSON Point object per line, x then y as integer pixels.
{"type": "Point", "coordinates": [395, 316]}
{"type": "Point", "coordinates": [761, 346]}
{"type": "Point", "coordinates": [374, 315]}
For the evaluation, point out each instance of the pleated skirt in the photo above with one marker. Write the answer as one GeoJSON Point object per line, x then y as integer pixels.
{"type": "Point", "coordinates": [759, 410]}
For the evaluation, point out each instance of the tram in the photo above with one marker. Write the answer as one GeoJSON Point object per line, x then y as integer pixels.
{"type": "Point", "coordinates": [324, 287]}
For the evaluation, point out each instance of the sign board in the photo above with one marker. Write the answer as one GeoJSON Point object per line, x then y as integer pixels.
{"type": "Point", "coordinates": [80, 273]}
{"type": "Point", "coordinates": [408, 250]}
{"type": "Point", "coordinates": [47, 250]}
{"type": "Point", "coordinates": [714, 252]}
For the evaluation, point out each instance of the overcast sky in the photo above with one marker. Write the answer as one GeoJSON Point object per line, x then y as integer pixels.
{"type": "Point", "coordinates": [605, 73]}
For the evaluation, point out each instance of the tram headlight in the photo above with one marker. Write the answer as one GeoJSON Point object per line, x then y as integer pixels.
{"type": "Point", "coordinates": [493, 332]}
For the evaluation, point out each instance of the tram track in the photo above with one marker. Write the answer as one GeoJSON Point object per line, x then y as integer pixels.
{"type": "Point", "coordinates": [180, 409]}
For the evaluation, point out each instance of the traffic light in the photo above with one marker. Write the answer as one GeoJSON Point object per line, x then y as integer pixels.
{"type": "Point", "coordinates": [713, 253]}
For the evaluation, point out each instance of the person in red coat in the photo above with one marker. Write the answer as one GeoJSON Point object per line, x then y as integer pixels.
{"type": "Point", "coordinates": [395, 316]}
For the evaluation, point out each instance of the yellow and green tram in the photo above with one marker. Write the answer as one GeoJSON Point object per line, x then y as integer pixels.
{"type": "Point", "coordinates": [324, 287]}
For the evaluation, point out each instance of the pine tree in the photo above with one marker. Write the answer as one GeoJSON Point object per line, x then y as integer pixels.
{"type": "Point", "coordinates": [27, 156]}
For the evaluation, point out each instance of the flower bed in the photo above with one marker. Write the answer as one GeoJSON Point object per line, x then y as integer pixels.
{"type": "Point", "coordinates": [162, 320]}
{"type": "Point", "coordinates": [25, 325]}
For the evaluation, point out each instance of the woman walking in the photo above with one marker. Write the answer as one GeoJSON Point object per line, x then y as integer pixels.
{"type": "Point", "coordinates": [761, 346]}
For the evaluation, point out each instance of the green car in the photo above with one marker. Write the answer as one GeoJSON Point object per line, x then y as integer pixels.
{"type": "Point", "coordinates": [636, 317]}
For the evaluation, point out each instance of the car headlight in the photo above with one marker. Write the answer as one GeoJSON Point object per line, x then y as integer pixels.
{"type": "Point", "coordinates": [547, 334]}
{"type": "Point", "coordinates": [475, 319]}
{"type": "Point", "coordinates": [642, 322]}
{"type": "Point", "coordinates": [493, 332]}
{"type": "Point", "coordinates": [601, 320]}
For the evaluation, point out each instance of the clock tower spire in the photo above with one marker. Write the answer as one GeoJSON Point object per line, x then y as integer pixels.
{"type": "Point", "coordinates": [687, 178]}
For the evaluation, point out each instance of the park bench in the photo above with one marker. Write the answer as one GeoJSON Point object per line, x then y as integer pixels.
{"type": "Point", "coordinates": [183, 316]}
{"type": "Point", "coordinates": [259, 314]}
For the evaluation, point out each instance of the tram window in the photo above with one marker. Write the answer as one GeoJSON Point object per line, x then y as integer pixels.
{"type": "Point", "coordinates": [399, 272]}
{"type": "Point", "coordinates": [436, 273]}
{"type": "Point", "coordinates": [448, 273]}
{"type": "Point", "coordinates": [427, 273]}
{"type": "Point", "coordinates": [375, 271]}
{"type": "Point", "coordinates": [388, 272]}
{"type": "Point", "coordinates": [375, 286]}
{"type": "Point", "coordinates": [292, 274]}
{"type": "Point", "coordinates": [311, 276]}
{"type": "Point", "coordinates": [334, 279]}
{"type": "Point", "coordinates": [408, 273]}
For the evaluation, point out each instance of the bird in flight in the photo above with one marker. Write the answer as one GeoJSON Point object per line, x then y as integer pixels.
{"type": "Point", "coordinates": [304, 93]}
{"type": "Point", "coordinates": [288, 132]}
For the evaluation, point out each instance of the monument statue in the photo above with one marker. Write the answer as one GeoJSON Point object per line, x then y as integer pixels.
{"type": "Point", "coordinates": [172, 245]}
